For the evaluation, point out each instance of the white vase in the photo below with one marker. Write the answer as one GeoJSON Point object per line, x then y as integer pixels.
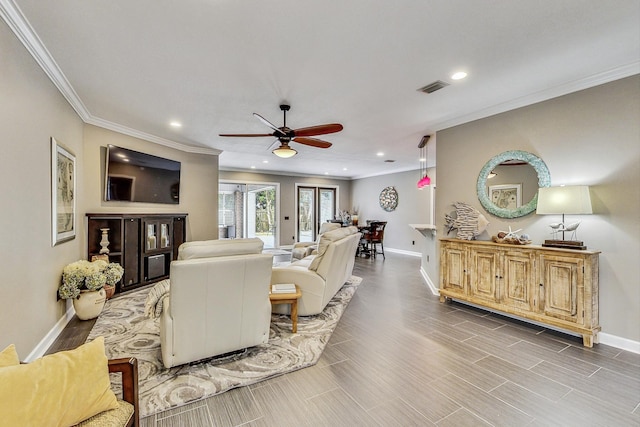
{"type": "Point", "coordinates": [89, 304]}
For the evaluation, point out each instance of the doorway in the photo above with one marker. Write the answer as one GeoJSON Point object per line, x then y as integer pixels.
{"type": "Point", "coordinates": [315, 206]}
{"type": "Point", "coordinates": [249, 210]}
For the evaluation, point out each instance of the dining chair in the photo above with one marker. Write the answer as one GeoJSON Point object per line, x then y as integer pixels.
{"type": "Point", "coordinates": [376, 237]}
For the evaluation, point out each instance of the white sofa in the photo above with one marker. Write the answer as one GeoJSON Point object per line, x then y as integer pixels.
{"type": "Point", "coordinates": [321, 275]}
{"type": "Point", "coordinates": [219, 300]}
{"type": "Point", "coordinates": [304, 249]}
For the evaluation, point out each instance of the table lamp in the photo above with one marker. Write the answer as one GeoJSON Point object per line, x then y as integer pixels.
{"type": "Point", "coordinates": [571, 200]}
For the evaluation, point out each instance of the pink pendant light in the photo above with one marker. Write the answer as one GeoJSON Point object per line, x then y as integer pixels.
{"type": "Point", "coordinates": [424, 180]}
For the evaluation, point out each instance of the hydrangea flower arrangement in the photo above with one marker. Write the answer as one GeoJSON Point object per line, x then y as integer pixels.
{"type": "Point", "coordinates": [86, 275]}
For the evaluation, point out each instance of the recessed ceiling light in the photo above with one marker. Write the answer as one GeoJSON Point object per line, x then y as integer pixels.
{"type": "Point", "coordinates": [380, 154]}
{"type": "Point", "coordinates": [175, 124]}
{"type": "Point", "coordinates": [459, 75]}
{"type": "Point", "coordinates": [326, 173]}
{"type": "Point", "coordinates": [265, 161]}
{"type": "Point", "coordinates": [253, 167]}
{"type": "Point", "coordinates": [344, 169]}
{"type": "Point", "coordinates": [422, 159]}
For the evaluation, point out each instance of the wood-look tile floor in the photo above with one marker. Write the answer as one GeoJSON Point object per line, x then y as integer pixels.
{"type": "Point", "coordinates": [401, 358]}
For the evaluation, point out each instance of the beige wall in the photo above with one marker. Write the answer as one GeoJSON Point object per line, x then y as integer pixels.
{"type": "Point", "coordinates": [198, 182]}
{"type": "Point", "coordinates": [31, 111]}
{"type": "Point", "coordinates": [589, 137]}
{"type": "Point", "coordinates": [287, 195]}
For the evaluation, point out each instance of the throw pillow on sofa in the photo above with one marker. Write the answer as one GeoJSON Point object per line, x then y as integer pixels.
{"type": "Point", "coordinates": [60, 389]}
{"type": "Point", "coordinates": [9, 356]}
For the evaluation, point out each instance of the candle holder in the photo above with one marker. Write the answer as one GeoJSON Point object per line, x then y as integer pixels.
{"type": "Point", "coordinates": [105, 241]}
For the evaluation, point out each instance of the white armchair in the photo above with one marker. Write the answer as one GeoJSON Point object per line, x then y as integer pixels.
{"type": "Point", "coordinates": [304, 249]}
{"type": "Point", "coordinates": [219, 300]}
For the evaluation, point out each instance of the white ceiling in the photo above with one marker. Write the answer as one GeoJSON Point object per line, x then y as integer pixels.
{"type": "Point", "coordinates": [134, 66]}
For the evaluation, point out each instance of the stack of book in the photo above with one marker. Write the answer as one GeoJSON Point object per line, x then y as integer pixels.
{"type": "Point", "coordinates": [283, 288]}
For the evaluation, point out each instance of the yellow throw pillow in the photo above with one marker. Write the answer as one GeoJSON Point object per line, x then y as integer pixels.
{"type": "Point", "coordinates": [9, 356]}
{"type": "Point", "coordinates": [60, 389]}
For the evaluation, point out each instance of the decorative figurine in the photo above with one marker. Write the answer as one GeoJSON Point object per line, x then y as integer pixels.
{"type": "Point", "coordinates": [468, 221]}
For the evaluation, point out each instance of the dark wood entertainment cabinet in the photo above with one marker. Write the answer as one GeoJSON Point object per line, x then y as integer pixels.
{"type": "Point", "coordinates": [144, 244]}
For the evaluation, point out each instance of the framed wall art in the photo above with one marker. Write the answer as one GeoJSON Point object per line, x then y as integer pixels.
{"type": "Point", "coordinates": [506, 196]}
{"type": "Point", "coordinates": [63, 194]}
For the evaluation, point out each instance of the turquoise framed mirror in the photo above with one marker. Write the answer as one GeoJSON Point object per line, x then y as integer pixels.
{"type": "Point", "coordinates": [504, 200]}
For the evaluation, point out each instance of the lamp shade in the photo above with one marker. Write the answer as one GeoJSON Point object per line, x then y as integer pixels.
{"type": "Point", "coordinates": [572, 199]}
{"type": "Point", "coordinates": [284, 151]}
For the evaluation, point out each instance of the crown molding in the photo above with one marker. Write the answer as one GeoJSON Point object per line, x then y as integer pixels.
{"type": "Point", "coordinates": [543, 95]}
{"type": "Point", "coordinates": [16, 20]}
{"type": "Point", "coordinates": [23, 30]}
{"type": "Point", "coordinates": [151, 138]}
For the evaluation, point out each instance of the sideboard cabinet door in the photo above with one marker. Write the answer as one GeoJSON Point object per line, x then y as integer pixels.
{"type": "Point", "coordinates": [560, 280]}
{"type": "Point", "coordinates": [453, 269]}
{"type": "Point", "coordinates": [483, 274]}
{"type": "Point", "coordinates": [520, 285]}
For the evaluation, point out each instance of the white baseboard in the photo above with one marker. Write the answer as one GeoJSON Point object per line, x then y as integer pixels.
{"type": "Point", "coordinates": [432, 287]}
{"type": "Point", "coordinates": [619, 342]}
{"type": "Point", "coordinates": [51, 336]}
{"type": "Point", "coordinates": [404, 252]}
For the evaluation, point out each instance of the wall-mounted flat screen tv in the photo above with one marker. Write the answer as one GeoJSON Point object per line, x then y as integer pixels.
{"type": "Point", "coordinates": [132, 176]}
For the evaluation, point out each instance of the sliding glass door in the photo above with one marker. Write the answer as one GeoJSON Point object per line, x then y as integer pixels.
{"type": "Point", "coordinates": [248, 210]}
{"type": "Point", "coordinates": [315, 206]}
{"type": "Point", "coordinates": [261, 213]}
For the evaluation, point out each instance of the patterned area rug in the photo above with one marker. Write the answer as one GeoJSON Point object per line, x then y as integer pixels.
{"type": "Point", "coordinates": [128, 333]}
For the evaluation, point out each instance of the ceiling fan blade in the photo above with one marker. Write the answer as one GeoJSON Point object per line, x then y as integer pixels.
{"type": "Point", "coordinates": [245, 135]}
{"type": "Point", "coordinates": [318, 130]}
{"type": "Point", "coordinates": [268, 123]}
{"type": "Point", "coordinates": [313, 142]}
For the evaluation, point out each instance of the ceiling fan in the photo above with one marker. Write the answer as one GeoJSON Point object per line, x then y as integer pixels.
{"type": "Point", "coordinates": [285, 135]}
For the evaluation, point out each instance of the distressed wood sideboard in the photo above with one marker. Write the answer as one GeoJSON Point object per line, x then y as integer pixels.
{"type": "Point", "coordinates": [556, 287]}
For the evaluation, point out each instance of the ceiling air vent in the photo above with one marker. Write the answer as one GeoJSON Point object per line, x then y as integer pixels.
{"type": "Point", "coordinates": [389, 161]}
{"type": "Point", "coordinates": [432, 87]}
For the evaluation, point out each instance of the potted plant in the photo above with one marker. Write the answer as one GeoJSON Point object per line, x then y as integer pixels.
{"type": "Point", "coordinates": [112, 273]}
{"type": "Point", "coordinates": [84, 281]}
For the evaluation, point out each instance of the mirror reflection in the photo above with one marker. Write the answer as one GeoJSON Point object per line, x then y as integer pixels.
{"type": "Point", "coordinates": [516, 174]}
{"type": "Point", "coordinates": [508, 183]}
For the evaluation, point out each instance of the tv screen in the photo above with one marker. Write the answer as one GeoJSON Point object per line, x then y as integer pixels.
{"type": "Point", "coordinates": [132, 176]}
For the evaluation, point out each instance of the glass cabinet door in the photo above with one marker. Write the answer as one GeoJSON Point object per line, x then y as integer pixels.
{"type": "Point", "coordinates": [151, 236]}
{"type": "Point", "coordinates": [164, 236]}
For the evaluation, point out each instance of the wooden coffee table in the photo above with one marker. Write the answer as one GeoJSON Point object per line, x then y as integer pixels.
{"type": "Point", "coordinates": [290, 298]}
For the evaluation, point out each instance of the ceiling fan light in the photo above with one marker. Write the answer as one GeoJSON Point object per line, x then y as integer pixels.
{"type": "Point", "coordinates": [284, 152]}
